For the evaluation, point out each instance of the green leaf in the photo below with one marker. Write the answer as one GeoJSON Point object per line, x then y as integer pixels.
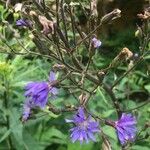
{"type": "Point", "coordinates": [110, 132]}
{"type": "Point", "coordinates": [7, 133]}
{"type": "Point", "coordinates": [54, 133]}
{"type": "Point", "coordinates": [102, 95]}
{"type": "Point", "coordinates": [147, 87]}
{"type": "Point", "coordinates": [30, 143]}
{"type": "Point", "coordinates": [79, 146]}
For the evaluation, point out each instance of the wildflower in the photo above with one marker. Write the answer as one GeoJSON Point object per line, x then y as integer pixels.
{"type": "Point", "coordinates": [126, 128]}
{"type": "Point", "coordinates": [23, 22]}
{"type": "Point", "coordinates": [85, 127]}
{"type": "Point", "coordinates": [96, 43]}
{"type": "Point", "coordinates": [37, 94]}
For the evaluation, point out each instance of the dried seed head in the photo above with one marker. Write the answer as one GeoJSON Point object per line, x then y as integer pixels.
{"type": "Point", "coordinates": [116, 13]}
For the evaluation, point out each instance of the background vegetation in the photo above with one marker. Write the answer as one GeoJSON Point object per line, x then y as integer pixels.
{"type": "Point", "coordinates": [45, 130]}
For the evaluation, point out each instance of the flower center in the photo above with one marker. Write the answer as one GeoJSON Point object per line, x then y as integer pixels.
{"type": "Point", "coordinates": [83, 125]}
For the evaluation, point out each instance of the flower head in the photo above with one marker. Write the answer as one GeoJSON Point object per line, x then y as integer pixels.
{"type": "Point", "coordinates": [23, 22]}
{"type": "Point", "coordinates": [126, 128]}
{"type": "Point", "coordinates": [37, 94]}
{"type": "Point", "coordinates": [85, 127]}
{"type": "Point", "coordinates": [96, 43]}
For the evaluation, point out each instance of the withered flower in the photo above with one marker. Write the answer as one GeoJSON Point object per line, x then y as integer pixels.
{"type": "Point", "coordinates": [116, 13]}
{"type": "Point", "coordinates": [94, 8]}
{"type": "Point", "coordinates": [146, 14]}
{"type": "Point", "coordinates": [48, 26]}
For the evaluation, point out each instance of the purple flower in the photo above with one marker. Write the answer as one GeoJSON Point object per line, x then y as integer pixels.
{"type": "Point", "coordinates": [85, 127]}
{"type": "Point", "coordinates": [96, 43]}
{"type": "Point", "coordinates": [126, 128]}
{"type": "Point", "coordinates": [37, 94]}
{"type": "Point", "coordinates": [23, 22]}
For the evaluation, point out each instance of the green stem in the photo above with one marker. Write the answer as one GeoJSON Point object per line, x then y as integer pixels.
{"type": "Point", "coordinates": [6, 105]}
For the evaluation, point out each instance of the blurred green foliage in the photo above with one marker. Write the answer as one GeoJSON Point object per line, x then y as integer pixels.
{"type": "Point", "coordinates": [47, 131]}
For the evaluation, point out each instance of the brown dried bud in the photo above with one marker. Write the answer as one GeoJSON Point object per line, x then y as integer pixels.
{"type": "Point", "coordinates": [146, 14]}
{"type": "Point", "coordinates": [94, 8]}
{"type": "Point", "coordinates": [125, 53]}
{"type": "Point", "coordinates": [116, 13]}
{"type": "Point", "coordinates": [83, 99]}
{"type": "Point", "coordinates": [59, 67]}
{"type": "Point", "coordinates": [32, 13]}
{"type": "Point", "coordinates": [48, 26]}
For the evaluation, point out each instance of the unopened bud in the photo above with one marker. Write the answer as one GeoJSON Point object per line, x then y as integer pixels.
{"type": "Point", "coordinates": [147, 125]}
{"type": "Point", "coordinates": [138, 33]}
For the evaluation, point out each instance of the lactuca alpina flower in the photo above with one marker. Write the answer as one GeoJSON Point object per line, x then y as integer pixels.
{"type": "Point", "coordinates": [37, 94]}
{"type": "Point", "coordinates": [96, 43]}
{"type": "Point", "coordinates": [23, 23]}
{"type": "Point", "coordinates": [126, 128]}
{"type": "Point", "coordinates": [85, 127]}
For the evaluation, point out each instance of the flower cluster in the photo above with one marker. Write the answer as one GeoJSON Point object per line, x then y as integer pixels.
{"type": "Point", "coordinates": [37, 94]}
{"type": "Point", "coordinates": [85, 127]}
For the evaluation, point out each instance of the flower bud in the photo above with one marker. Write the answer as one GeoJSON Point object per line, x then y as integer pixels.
{"type": "Point", "coordinates": [138, 33]}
